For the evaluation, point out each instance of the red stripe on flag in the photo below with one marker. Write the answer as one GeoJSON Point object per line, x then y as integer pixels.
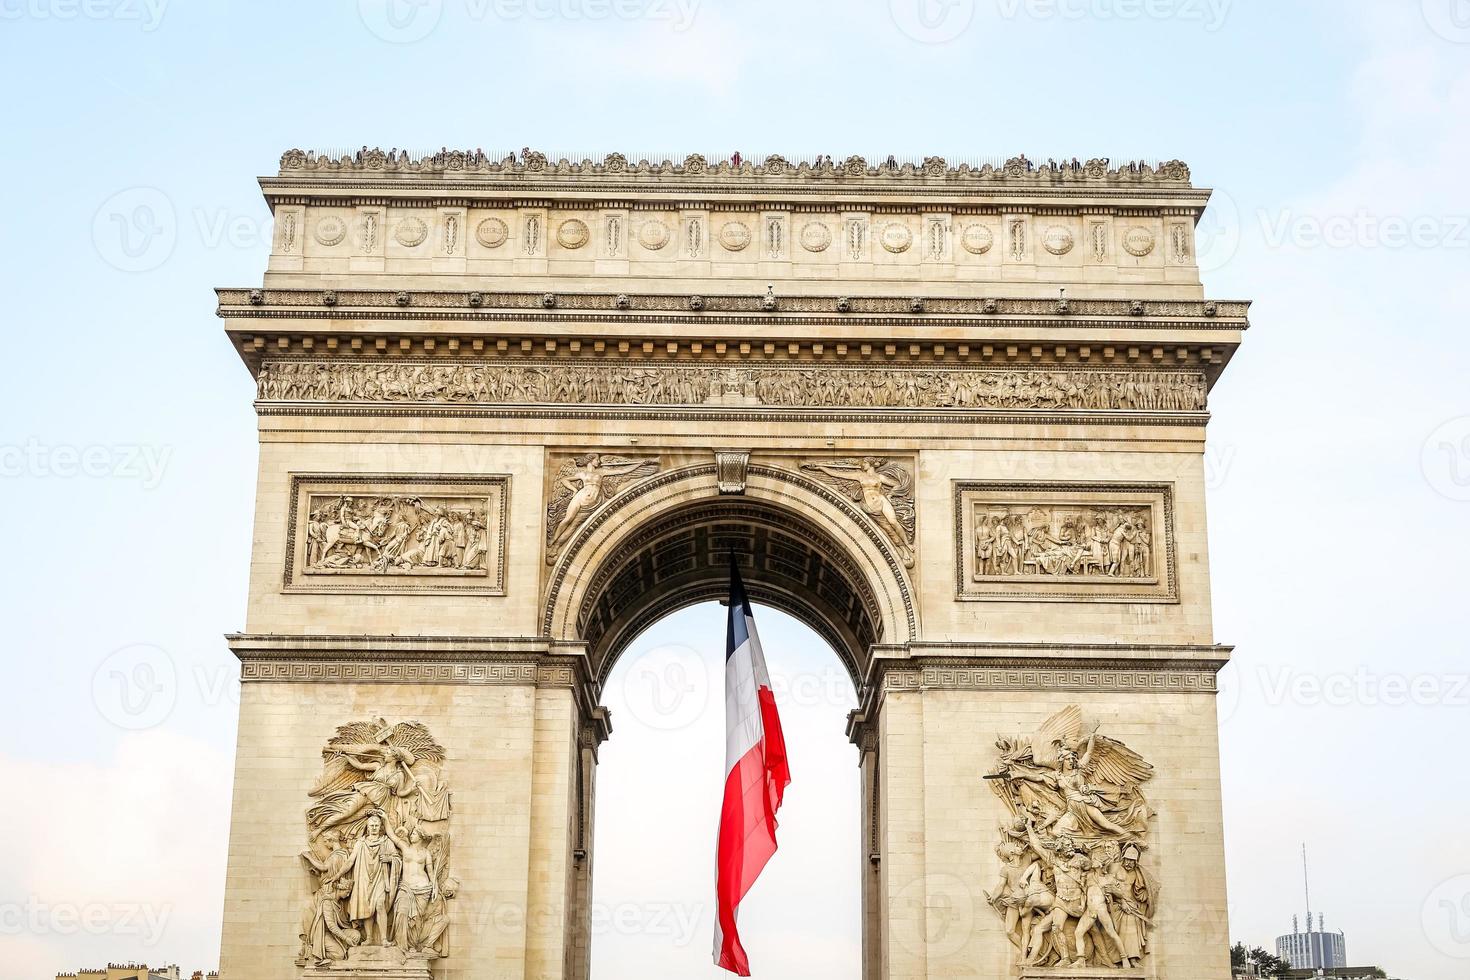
{"type": "Point", "coordinates": [753, 792]}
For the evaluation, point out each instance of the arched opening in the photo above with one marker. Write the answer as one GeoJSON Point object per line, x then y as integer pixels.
{"type": "Point", "coordinates": [813, 563]}
{"type": "Point", "coordinates": [803, 548]}
{"type": "Point", "coordinates": [659, 784]}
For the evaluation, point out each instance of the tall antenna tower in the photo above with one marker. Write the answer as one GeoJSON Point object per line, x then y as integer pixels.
{"type": "Point", "coordinates": [1307, 886]}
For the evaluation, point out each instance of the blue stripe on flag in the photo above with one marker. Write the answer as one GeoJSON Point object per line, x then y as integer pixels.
{"type": "Point", "coordinates": [736, 632]}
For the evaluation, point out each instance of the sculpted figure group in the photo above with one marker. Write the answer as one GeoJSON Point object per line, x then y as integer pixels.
{"type": "Point", "coordinates": [600, 384]}
{"type": "Point", "coordinates": [378, 847]}
{"type": "Point", "coordinates": [387, 534]}
{"type": "Point", "coordinates": [1072, 888]}
{"type": "Point", "coordinates": [1080, 541]}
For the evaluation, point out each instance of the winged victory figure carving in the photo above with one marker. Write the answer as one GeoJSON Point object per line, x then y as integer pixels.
{"type": "Point", "coordinates": [583, 484]}
{"type": "Point", "coordinates": [883, 488]}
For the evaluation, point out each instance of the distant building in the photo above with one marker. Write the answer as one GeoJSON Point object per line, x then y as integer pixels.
{"type": "Point", "coordinates": [136, 971]}
{"type": "Point", "coordinates": [1314, 949]}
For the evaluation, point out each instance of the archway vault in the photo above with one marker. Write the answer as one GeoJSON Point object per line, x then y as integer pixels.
{"type": "Point", "coordinates": [802, 547]}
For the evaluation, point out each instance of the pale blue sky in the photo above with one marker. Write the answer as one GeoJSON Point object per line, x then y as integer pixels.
{"type": "Point", "coordinates": [1339, 453]}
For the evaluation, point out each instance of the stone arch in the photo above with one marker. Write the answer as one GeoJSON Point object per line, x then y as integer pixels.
{"type": "Point", "coordinates": [803, 547]}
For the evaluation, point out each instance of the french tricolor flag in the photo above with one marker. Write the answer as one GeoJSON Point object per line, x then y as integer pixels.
{"type": "Point", "coordinates": [756, 775]}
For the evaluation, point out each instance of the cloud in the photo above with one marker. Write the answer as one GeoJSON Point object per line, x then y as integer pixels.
{"type": "Point", "coordinates": [122, 861]}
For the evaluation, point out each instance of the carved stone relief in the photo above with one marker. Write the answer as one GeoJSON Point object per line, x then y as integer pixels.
{"type": "Point", "coordinates": [288, 222]}
{"type": "Point", "coordinates": [1097, 233]}
{"type": "Point", "coordinates": [775, 236]}
{"type": "Point", "coordinates": [368, 233]}
{"type": "Point", "coordinates": [451, 234]}
{"type": "Point", "coordinates": [1058, 240]}
{"type": "Point", "coordinates": [896, 237]}
{"type": "Point", "coordinates": [378, 853]}
{"type": "Point", "coordinates": [654, 383]}
{"type": "Point", "coordinates": [815, 237]}
{"type": "Point", "coordinates": [936, 236]}
{"type": "Point", "coordinates": [857, 238]}
{"type": "Point", "coordinates": [411, 232]}
{"type": "Point", "coordinates": [1073, 888]}
{"type": "Point", "coordinates": [572, 233]}
{"type": "Point", "coordinates": [977, 239]}
{"type": "Point", "coordinates": [1072, 541]}
{"type": "Point", "coordinates": [531, 240]}
{"type": "Point", "coordinates": [1138, 241]}
{"type": "Point", "coordinates": [731, 468]}
{"type": "Point", "coordinates": [331, 230]}
{"type": "Point", "coordinates": [396, 534]}
{"type": "Point", "coordinates": [583, 484]}
{"type": "Point", "coordinates": [492, 232]}
{"type": "Point", "coordinates": [1016, 235]}
{"type": "Point", "coordinates": [1179, 242]}
{"type": "Point", "coordinates": [882, 487]}
{"type": "Point", "coordinates": [654, 235]}
{"type": "Point", "coordinates": [613, 227]}
{"type": "Point", "coordinates": [735, 235]}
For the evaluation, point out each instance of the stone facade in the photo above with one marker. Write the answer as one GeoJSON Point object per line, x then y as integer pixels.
{"type": "Point", "coordinates": [513, 411]}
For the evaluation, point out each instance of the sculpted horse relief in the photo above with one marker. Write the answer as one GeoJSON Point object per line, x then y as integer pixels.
{"type": "Point", "coordinates": [387, 534]}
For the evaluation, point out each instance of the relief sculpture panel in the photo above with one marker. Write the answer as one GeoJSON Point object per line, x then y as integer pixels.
{"type": "Point", "coordinates": [1061, 541]}
{"type": "Point", "coordinates": [394, 534]}
{"type": "Point", "coordinates": [1074, 888]}
{"type": "Point", "coordinates": [378, 849]}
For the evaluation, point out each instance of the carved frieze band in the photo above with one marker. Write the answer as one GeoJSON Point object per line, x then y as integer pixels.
{"type": "Point", "coordinates": [385, 533]}
{"type": "Point", "coordinates": [658, 383]}
{"type": "Point", "coordinates": [1064, 541]}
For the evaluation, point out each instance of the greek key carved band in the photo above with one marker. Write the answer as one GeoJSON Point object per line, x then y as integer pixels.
{"type": "Point", "coordinates": [398, 672]}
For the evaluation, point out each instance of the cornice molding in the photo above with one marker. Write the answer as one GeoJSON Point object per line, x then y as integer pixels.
{"type": "Point", "coordinates": [1119, 668]}
{"type": "Point", "coordinates": [245, 303]}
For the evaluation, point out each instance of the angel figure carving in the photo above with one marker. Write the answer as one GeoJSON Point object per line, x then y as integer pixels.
{"type": "Point", "coordinates": [884, 490]}
{"type": "Point", "coordinates": [1072, 889]}
{"type": "Point", "coordinates": [371, 766]}
{"type": "Point", "coordinates": [584, 484]}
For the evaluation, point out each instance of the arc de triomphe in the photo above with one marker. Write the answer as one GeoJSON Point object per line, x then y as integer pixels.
{"type": "Point", "coordinates": [514, 410]}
